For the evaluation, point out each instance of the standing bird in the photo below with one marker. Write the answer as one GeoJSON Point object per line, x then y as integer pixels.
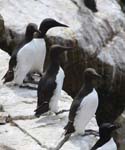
{"type": "Point", "coordinates": [50, 85]}
{"type": "Point", "coordinates": [105, 131]}
{"type": "Point", "coordinates": [83, 107]}
{"type": "Point", "coordinates": [31, 56]}
{"type": "Point", "coordinates": [91, 4]}
{"type": "Point", "coordinates": [30, 29]}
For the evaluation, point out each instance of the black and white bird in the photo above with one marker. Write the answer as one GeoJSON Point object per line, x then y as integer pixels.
{"type": "Point", "coordinates": [105, 133]}
{"type": "Point", "coordinates": [85, 104]}
{"type": "Point", "coordinates": [83, 107]}
{"type": "Point", "coordinates": [30, 29]}
{"type": "Point", "coordinates": [91, 4]}
{"type": "Point", "coordinates": [30, 58]}
{"type": "Point", "coordinates": [50, 85]}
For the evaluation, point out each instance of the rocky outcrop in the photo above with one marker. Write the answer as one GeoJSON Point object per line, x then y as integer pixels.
{"type": "Point", "coordinates": [122, 4]}
{"type": "Point", "coordinates": [99, 41]}
{"type": "Point", "coordinates": [9, 39]}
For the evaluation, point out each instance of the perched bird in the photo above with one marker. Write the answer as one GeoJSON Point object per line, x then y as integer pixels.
{"type": "Point", "coordinates": [30, 29]}
{"type": "Point", "coordinates": [83, 107]}
{"type": "Point", "coordinates": [85, 103]}
{"type": "Point", "coordinates": [50, 85]}
{"type": "Point", "coordinates": [30, 58]}
{"type": "Point", "coordinates": [91, 4]}
{"type": "Point", "coordinates": [105, 131]}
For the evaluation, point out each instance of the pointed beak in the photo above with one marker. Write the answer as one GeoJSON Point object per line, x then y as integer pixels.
{"type": "Point", "coordinates": [98, 76]}
{"type": "Point", "coordinates": [63, 49]}
{"type": "Point", "coordinates": [117, 126]}
{"type": "Point", "coordinates": [38, 31]}
{"type": "Point", "coordinates": [60, 24]}
{"type": "Point", "coordinates": [60, 49]}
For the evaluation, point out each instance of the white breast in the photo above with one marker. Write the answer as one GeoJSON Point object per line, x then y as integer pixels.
{"type": "Point", "coordinates": [86, 111]}
{"type": "Point", "coordinates": [57, 93]}
{"type": "Point", "coordinates": [30, 58]}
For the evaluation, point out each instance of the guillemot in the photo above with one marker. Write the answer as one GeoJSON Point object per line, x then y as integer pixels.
{"type": "Point", "coordinates": [91, 4]}
{"type": "Point", "coordinates": [50, 85]}
{"type": "Point", "coordinates": [83, 107]}
{"type": "Point", "coordinates": [30, 29]}
{"type": "Point", "coordinates": [105, 133]}
{"type": "Point", "coordinates": [31, 56]}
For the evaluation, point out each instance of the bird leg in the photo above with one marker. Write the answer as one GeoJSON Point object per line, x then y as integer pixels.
{"type": "Point", "coordinates": [91, 132]}
{"type": "Point", "coordinates": [62, 111]}
{"type": "Point", "coordinates": [30, 78]}
{"type": "Point", "coordinates": [28, 87]}
{"type": "Point", "coordinates": [62, 142]}
{"type": "Point", "coordinates": [31, 81]}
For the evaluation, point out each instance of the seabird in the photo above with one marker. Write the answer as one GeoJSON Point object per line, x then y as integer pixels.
{"type": "Point", "coordinates": [50, 85]}
{"type": "Point", "coordinates": [30, 58]}
{"type": "Point", "coordinates": [105, 133]}
{"type": "Point", "coordinates": [30, 29]}
{"type": "Point", "coordinates": [91, 4]}
{"type": "Point", "coordinates": [83, 107]}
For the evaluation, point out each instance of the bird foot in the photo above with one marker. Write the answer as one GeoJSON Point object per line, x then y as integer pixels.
{"type": "Point", "coordinates": [91, 132]}
{"type": "Point", "coordinates": [61, 111]}
{"type": "Point", "coordinates": [28, 87]}
{"type": "Point", "coordinates": [31, 81]}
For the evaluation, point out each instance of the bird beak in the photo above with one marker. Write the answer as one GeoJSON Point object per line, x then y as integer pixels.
{"type": "Point", "coordinates": [60, 24]}
{"type": "Point", "coordinates": [63, 25]}
{"type": "Point", "coordinates": [62, 49]}
{"type": "Point", "coordinates": [116, 126]}
{"type": "Point", "coordinates": [98, 76]}
{"type": "Point", "coordinates": [38, 31]}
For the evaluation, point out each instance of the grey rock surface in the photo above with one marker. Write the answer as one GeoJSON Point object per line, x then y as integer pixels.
{"type": "Point", "coordinates": [99, 40]}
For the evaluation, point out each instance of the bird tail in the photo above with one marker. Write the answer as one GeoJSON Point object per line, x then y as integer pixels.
{"type": "Point", "coordinates": [41, 109]}
{"type": "Point", "coordinates": [9, 76]}
{"type": "Point", "coordinates": [69, 128]}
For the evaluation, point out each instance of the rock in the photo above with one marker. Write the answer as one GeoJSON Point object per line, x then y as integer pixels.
{"type": "Point", "coordinates": [1, 108]}
{"type": "Point", "coordinates": [122, 4]}
{"type": "Point", "coordinates": [119, 135]}
{"type": "Point", "coordinates": [13, 138]}
{"type": "Point", "coordinates": [3, 118]}
{"type": "Point", "coordinates": [100, 44]}
{"type": "Point", "coordinates": [4, 147]}
{"type": "Point", "coordinates": [9, 39]}
{"type": "Point", "coordinates": [2, 28]}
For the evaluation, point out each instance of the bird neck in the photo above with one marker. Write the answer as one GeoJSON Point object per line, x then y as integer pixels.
{"type": "Point", "coordinates": [88, 85]}
{"type": "Point", "coordinates": [43, 32]}
{"type": "Point", "coordinates": [28, 36]}
{"type": "Point", "coordinates": [84, 91]}
{"type": "Point", "coordinates": [53, 68]}
{"type": "Point", "coordinates": [28, 39]}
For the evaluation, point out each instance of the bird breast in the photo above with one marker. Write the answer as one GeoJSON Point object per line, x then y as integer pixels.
{"type": "Point", "coordinates": [57, 92]}
{"type": "Point", "coordinates": [30, 58]}
{"type": "Point", "coordinates": [86, 111]}
{"type": "Point", "coordinates": [33, 54]}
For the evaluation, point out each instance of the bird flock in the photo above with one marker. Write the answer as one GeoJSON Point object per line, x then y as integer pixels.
{"type": "Point", "coordinates": [29, 57]}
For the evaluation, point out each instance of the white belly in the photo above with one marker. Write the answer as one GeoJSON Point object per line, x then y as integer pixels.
{"type": "Point", "coordinates": [86, 111]}
{"type": "Point", "coordinates": [57, 93]}
{"type": "Point", "coordinates": [30, 58]}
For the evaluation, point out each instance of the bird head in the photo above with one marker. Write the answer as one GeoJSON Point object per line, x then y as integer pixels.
{"type": "Point", "coordinates": [90, 75]}
{"type": "Point", "coordinates": [57, 50]}
{"type": "Point", "coordinates": [48, 23]}
{"type": "Point", "coordinates": [108, 128]}
{"type": "Point", "coordinates": [30, 30]}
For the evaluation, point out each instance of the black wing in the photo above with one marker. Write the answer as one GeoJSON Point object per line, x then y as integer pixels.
{"type": "Point", "coordinates": [45, 91]}
{"type": "Point", "coordinates": [73, 109]}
